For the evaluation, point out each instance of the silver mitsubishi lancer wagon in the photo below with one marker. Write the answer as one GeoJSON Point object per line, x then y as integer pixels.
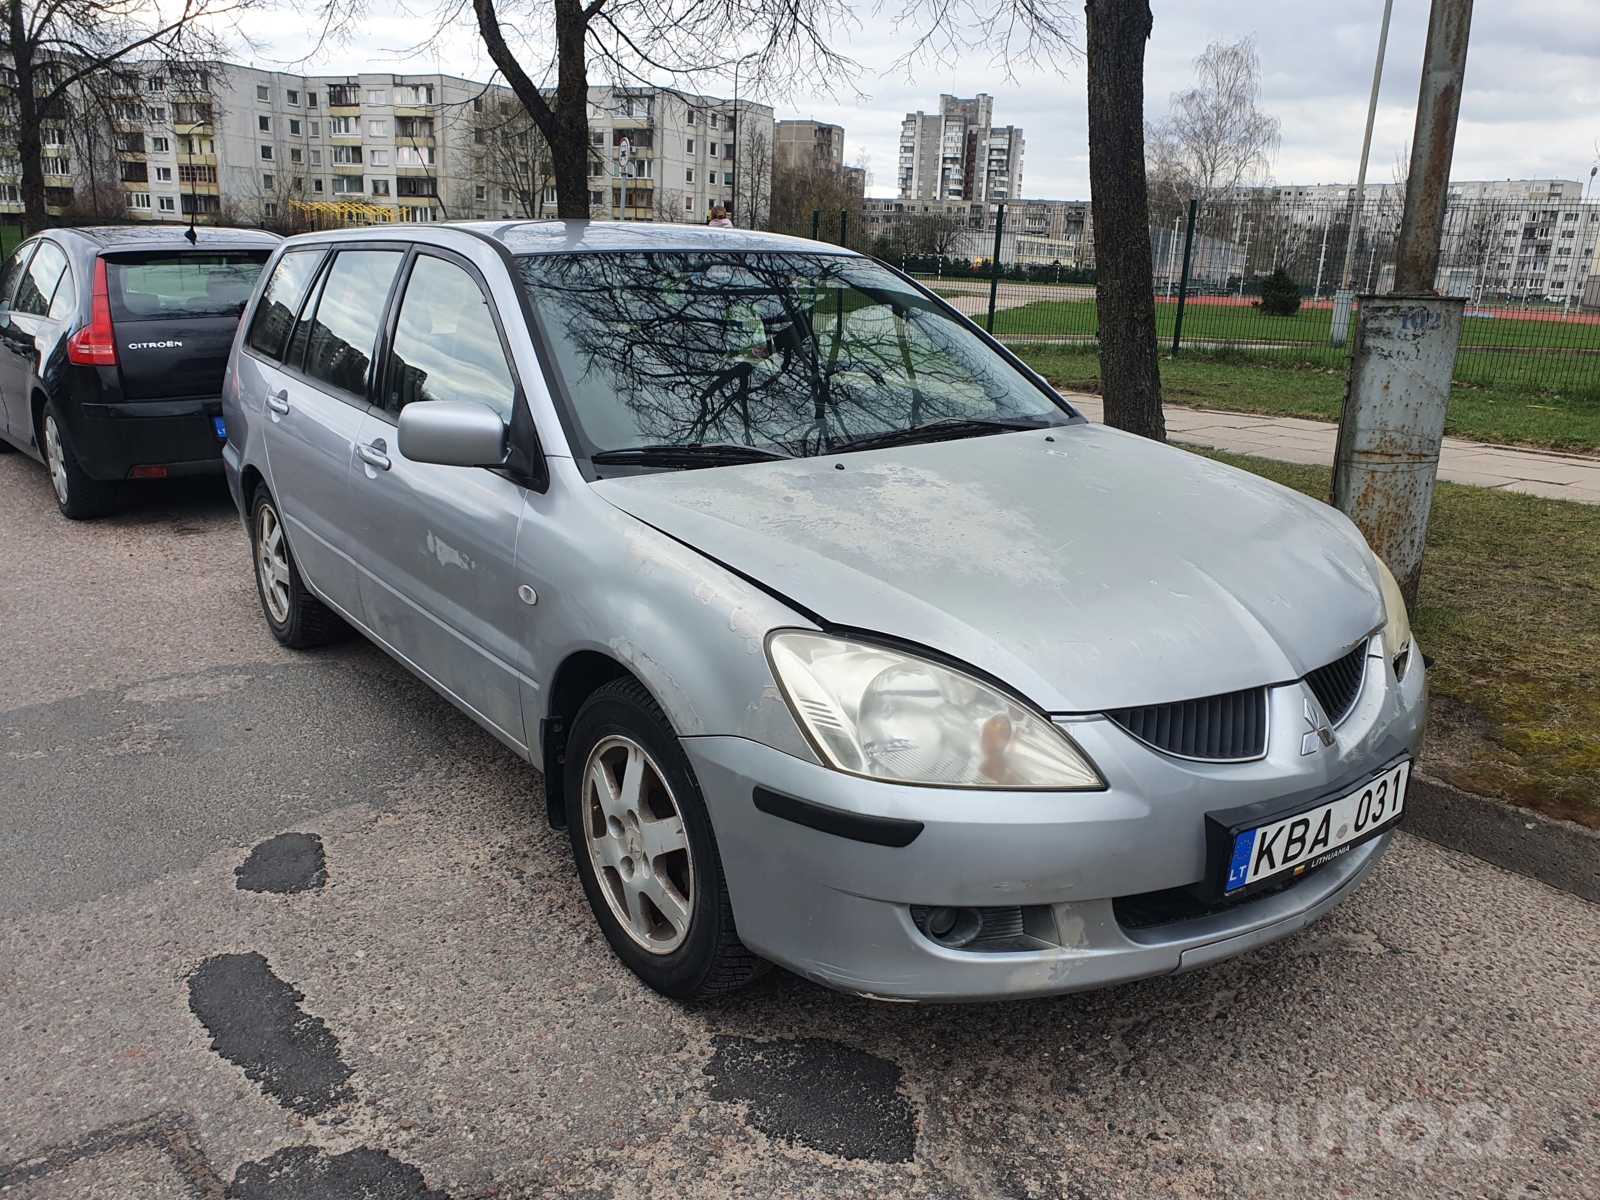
{"type": "Point", "coordinates": [842, 641]}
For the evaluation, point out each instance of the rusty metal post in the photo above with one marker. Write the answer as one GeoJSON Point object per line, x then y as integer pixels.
{"type": "Point", "coordinates": [1392, 423]}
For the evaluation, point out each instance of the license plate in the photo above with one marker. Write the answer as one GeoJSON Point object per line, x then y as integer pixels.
{"type": "Point", "coordinates": [1308, 839]}
{"type": "Point", "coordinates": [221, 426]}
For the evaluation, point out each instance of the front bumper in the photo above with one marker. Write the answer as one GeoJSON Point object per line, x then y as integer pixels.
{"type": "Point", "coordinates": [840, 911]}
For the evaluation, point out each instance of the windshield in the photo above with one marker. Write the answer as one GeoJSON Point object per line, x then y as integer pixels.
{"type": "Point", "coordinates": [800, 354]}
{"type": "Point", "coordinates": [162, 285]}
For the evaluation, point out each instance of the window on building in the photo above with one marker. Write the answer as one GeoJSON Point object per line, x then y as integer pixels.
{"type": "Point", "coordinates": [296, 154]}
{"type": "Point", "coordinates": [346, 155]}
{"type": "Point", "coordinates": [377, 96]}
{"type": "Point", "coordinates": [414, 94]}
{"type": "Point", "coordinates": [727, 178]}
{"type": "Point", "coordinates": [316, 185]}
{"type": "Point", "coordinates": [688, 204]}
{"type": "Point", "coordinates": [294, 128]}
{"type": "Point", "coordinates": [160, 145]}
{"type": "Point", "coordinates": [378, 158]}
{"type": "Point", "coordinates": [264, 124]}
{"type": "Point", "coordinates": [156, 115]}
{"type": "Point", "coordinates": [292, 96]}
{"type": "Point", "coordinates": [56, 166]}
{"type": "Point", "coordinates": [164, 204]}
{"type": "Point", "coordinates": [378, 129]}
{"type": "Point", "coordinates": [134, 172]}
{"type": "Point", "coordinates": [163, 174]}
{"type": "Point", "coordinates": [268, 182]}
{"type": "Point", "coordinates": [188, 174]}
{"type": "Point", "coordinates": [477, 104]}
{"type": "Point", "coordinates": [505, 195]}
{"type": "Point", "coordinates": [342, 127]}
{"type": "Point", "coordinates": [418, 187]}
{"type": "Point", "coordinates": [138, 199]}
{"type": "Point", "coordinates": [269, 209]}
{"type": "Point", "coordinates": [266, 153]}
{"type": "Point", "coordinates": [311, 99]}
{"type": "Point", "coordinates": [380, 187]}
{"type": "Point", "coordinates": [316, 128]}
{"type": "Point", "coordinates": [155, 84]}
{"type": "Point", "coordinates": [348, 185]}
{"type": "Point", "coordinates": [413, 127]}
{"type": "Point", "coordinates": [688, 174]}
{"type": "Point", "coordinates": [261, 92]}
{"type": "Point", "coordinates": [204, 203]}
{"type": "Point", "coordinates": [688, 146]}
{"type": "Point", "coordinates": [414, 156]}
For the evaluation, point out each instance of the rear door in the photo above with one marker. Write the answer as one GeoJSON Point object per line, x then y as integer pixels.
{"type": "Point", "coordinates": [315, 415]}
{"type": "Point", "coordinates": [436, 546]}
{"type": "Point", "coordinates": [175, 313]}
{"type": "Point", "coordinates": [14, 369]}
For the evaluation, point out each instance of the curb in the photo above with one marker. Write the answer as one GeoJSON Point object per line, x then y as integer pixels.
{"type": "Point", "coordinates": [1562, 854]}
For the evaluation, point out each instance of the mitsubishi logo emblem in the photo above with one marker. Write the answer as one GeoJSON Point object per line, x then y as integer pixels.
{"type": "Point", "coordinates": [1319, 731]}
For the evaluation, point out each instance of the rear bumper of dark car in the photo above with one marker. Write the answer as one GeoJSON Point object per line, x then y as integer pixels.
{"type": "Point", "coordinates": [113, 440]}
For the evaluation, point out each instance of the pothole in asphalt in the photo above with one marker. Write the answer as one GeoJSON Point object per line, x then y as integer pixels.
{"type": "Point", "coordinates": [290, 862]}
{"type": "Point", "coordinates": [824, 1095]}
{"type": "Point", "coordinates": [256, 1023]}
{"type": "Point", "coordinates": [306, 1173]}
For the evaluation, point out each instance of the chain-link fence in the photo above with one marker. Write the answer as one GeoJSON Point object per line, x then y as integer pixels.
{"type": "Point", "coordinates": [1533, 313]}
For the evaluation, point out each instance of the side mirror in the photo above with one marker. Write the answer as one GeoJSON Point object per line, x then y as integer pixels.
{"type": "Point", "coordinates": [452, 433]}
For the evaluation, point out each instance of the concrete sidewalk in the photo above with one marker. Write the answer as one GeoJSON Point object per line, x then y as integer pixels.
{"type": "Point", "coordinates": [1295, 439]}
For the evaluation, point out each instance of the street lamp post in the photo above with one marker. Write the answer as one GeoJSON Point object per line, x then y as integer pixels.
{"type": "Point", "coordinates": [1339, 330]}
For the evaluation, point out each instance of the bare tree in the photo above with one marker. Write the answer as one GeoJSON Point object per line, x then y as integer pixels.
{"type": "Point", "coordinates": [511, 157]}
{"type": "Point", "coordinates": [1125, 302]}
{"type": "Point", "coordinates": [57, 48]}
{"type": "Point", "coordinates": [803, 185]}
{"type": "Point", "coordinates": [1215, 139]}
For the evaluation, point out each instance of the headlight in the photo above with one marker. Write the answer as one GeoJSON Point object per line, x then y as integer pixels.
{"type": "Point", "coordinates": [1396, 625]}
{"type": "Point", "coordinates": [887, 715]}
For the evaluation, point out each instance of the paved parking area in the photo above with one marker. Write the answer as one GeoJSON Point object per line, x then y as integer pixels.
{"type": "Point", "coordinates": [1297, 440]}
{"type": "Point", "coordinates": [410, 998]}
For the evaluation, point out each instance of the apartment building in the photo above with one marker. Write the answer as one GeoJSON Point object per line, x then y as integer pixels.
{"type": "Point", "coordinates": [244, 145]}
{"type": "Point", "coordinates": [959, 153]}
{"type": "Point", "coordinates": [799, 144]}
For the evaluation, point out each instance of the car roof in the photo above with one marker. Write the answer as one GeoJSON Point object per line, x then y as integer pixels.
{"type": "Point", "coordinates": [566, 237]}
{"type": "Point", "coordinates": [173, 236]}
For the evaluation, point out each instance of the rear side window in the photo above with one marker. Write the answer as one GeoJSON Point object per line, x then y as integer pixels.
{"type": "Point", "coordinates": [349, 311]}
{"type": "Point", "coordinates": [12, 271]}
{"type": "Point", "coordinates": [40, 280]}
{"type": "Point", "coordinates": [445, 345]}
{"type": "Point", "coordinates": [280, 301]}
{"type": "Point", "coordinates": [172, 285]}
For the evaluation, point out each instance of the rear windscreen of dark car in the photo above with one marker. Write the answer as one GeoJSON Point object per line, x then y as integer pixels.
{"type": "Point", "coordinates": [173, 284]}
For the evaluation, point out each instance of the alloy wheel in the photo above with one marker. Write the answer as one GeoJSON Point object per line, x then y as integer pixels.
{"type": "Point", "coordinates": [56, 457]}
{"type": "Point", "coordinates": [272, 563]}
{"type": "Point", "coordinates": [636, 840]}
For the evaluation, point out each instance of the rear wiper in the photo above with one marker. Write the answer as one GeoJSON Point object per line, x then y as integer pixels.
{"type": "Point", "coordinates": [938, 431]}
{"type": "Point", "coordinates": [685, 456]}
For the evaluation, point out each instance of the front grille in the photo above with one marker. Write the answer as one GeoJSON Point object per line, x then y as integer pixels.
{"type": "Point", "coordinates": [1337, 685]}
{"type": "Point", "coordinates": [1227, 728]}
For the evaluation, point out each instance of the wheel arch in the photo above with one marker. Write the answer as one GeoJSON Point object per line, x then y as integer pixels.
{"type": "Point", "coordinates": [580, 675]}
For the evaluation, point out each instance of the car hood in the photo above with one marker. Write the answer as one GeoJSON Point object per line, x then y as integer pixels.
{"type": "Point", "coordinates": [1090, 570]}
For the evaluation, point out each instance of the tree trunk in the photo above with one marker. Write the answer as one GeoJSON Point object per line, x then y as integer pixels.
{"type": "Point", "coordinates": [34, 217]}
{"type": "Point", "coordinates": [565, 124]}
{"type": "Point", "coordinates": [1125, 302]}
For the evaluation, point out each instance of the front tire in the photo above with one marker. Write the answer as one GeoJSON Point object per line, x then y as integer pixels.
{"type": "Point", "coordinates": [645, 849]}
{"type": "Point", "coordinates": [296, 617]}
{"type": "Point", "coordinates": [79, 497]}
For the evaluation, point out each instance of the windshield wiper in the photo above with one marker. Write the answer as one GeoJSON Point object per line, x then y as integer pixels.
{"type": "Point", "coordinates": [686, 456]}
{"type": "Point", "coordinates": [939, 431]}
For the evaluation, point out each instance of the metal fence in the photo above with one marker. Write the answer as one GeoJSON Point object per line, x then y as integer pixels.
{"type": "Point", "coordinates": [1533, 314]}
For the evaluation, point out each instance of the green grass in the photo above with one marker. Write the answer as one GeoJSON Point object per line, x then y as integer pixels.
{"type": "Point", "coordinates": [1509, 609]}
{"type": "Point", "coordinates": [1241, 383]}
{"type": "Point", "coordinates": [10, 239]}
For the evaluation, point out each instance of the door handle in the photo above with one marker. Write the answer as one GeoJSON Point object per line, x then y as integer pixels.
{"type": "Point", "coordinates": [278, 402]}
{"type": "Point", "coordinates": [373, 454]}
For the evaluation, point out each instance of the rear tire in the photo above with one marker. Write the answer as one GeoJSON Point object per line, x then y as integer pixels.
{"type": "Point", "coordinates": [296, 617]}
{"type": "Point", "coordinates": [645, 849]}
{"type": "Point", "coordinates": [79, 497]}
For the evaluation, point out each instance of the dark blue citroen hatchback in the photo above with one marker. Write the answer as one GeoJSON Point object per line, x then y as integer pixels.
{"type": "Point", "coordinates": [115, 341]}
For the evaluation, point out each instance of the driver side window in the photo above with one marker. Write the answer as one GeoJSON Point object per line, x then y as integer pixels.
{"type": "Point", "coordinates": [11, 273]}
{"type": "Point", "coordinates": [446, 346]}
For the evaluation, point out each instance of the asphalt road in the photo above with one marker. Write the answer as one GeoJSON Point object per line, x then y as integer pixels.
{"type": "Point", "coordinates": [411, 998]}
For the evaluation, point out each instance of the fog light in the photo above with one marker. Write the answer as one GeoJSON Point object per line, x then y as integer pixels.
{"type": "Point", "coordinates": [950, 926]}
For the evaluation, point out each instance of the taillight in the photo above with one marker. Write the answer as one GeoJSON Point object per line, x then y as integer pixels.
{"type": "Point", "coordinates": [95, 345]}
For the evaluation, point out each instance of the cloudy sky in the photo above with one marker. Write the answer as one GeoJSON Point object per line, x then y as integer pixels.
{"type": "Point", "coordinates": [1532, 105]}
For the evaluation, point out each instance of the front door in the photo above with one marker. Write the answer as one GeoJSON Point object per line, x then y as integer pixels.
{"type": "Point", "coordinates": [315, 407]}
{"type": "Point", "coordinates": [437, 545]}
